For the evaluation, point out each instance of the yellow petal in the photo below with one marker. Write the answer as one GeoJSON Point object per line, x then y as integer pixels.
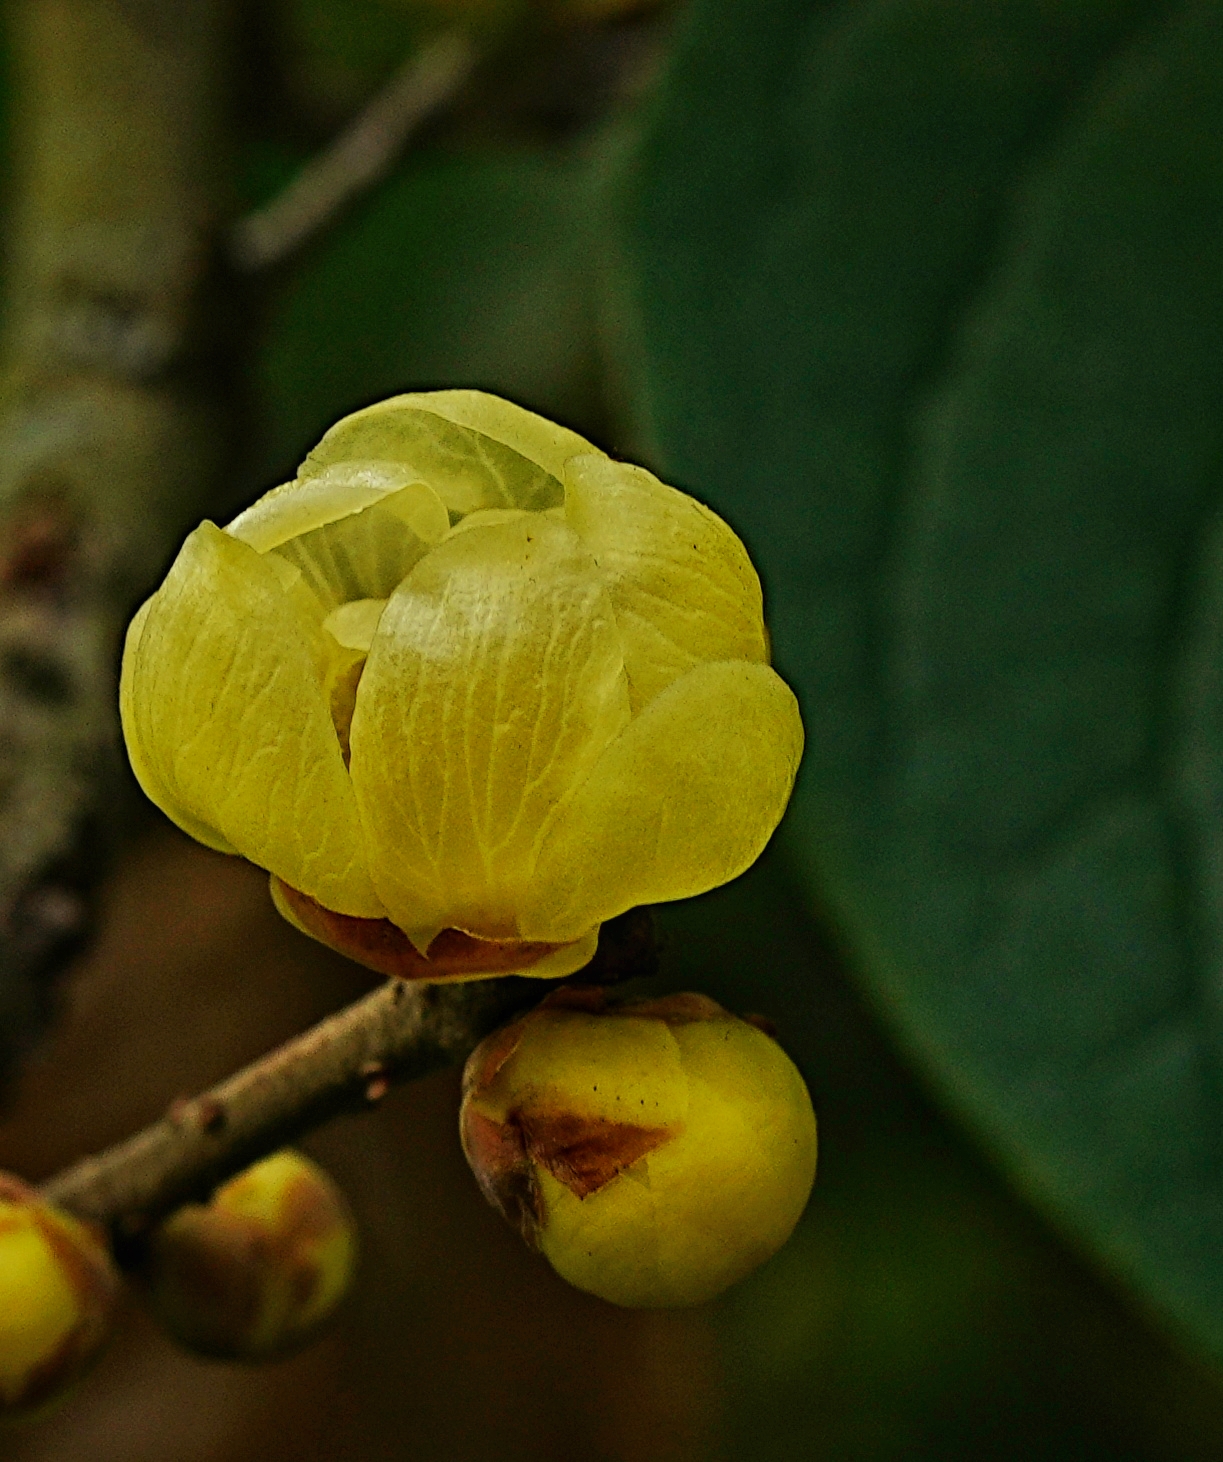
{"type": "Point", "coordinates": [683, 800]}
{"type": "Point", "coordinates": [540, 440]}
{"type": "Point", "coordinates": [352, 625]}
{"type": "Point", "coordinates": [683, 587]}
{"type": "Point", "coordinates": [228, 726]}
{"type": "Point", "coordinates": [145, 768]}
{"type": "Point", "coordinates": [338, 492]}
{"type": "Point", "coordinates": [494, 681]}
{"type": "Point", "coordinates": [464, 453]}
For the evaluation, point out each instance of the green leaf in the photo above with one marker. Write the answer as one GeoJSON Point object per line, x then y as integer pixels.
{"type": "Point", "coordinates": [462, 270]}
{"type": "Point", "coordinates": [929, 302]}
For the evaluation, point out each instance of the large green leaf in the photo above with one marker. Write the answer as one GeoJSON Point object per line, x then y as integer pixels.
{"type": "Point", "coordinates": [929, 301]}
{"type": "Point", "coordinates": [467, 269]}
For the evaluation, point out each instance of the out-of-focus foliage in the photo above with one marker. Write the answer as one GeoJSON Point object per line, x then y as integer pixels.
{"type": "Point", "coordinates": [932, 309]}
{"type": "Point", "coordinates": [463, 270]}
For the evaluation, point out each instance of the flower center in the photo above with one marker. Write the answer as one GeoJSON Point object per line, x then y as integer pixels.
{"type": "Point", "coordinates": [350, 631]}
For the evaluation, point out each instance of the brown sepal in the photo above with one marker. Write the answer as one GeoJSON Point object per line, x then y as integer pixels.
{"type": "Point", "coordinates": [382, 946]}
{"type": "Point", "coordinates": [586, 1153]}
{"type": "Point", "coordinates": [497, 1154]}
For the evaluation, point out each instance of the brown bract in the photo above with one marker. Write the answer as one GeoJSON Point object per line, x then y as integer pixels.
{"type": "Point", "coordinates": [583, 1153]}
{"type": "Point", "coordinates": [382, 946]}
{"type": "Point", "coordinates": [581, 1150]}
{"type": "Point", "coordinates": [250, 1275]}
{"type": "Point", "coordinates": [79, 1252]}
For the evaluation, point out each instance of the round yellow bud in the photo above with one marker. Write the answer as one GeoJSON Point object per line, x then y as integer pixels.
{"type": "Point", "coordinates": [57, 1292]}
{"type": "Point", "coordinates": [654, 1152]}
{"type": "Point", "coordinates": [256, 1272]}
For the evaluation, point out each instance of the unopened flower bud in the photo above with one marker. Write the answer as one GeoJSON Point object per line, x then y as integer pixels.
{"type": "Point", "coordinates": [256, 1272]}
{"type": "Point", "coordinates": [57, 1293]}
{"type": "Point", "coordinates": [655, 1152]}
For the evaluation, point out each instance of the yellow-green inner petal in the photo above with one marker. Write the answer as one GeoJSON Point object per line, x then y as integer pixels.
{"type": "Point", "coordinates": [493, 684]}
{"type": "Point", "coordinates": [225, 713]}
{"type": "Point", "coordinates": [341, 490]}
{"type": "Point", "coordinates": [145, 766]}
{"type": "Point", "coordinates": [682, 801]}
{"type": "Point", "coordinates": [683, 587]}
{"type": "Point", "coordinates": [353, 625]}
{"type": "Point", "coordinates": [469, 468]}
{"type": "Point", "coordinates": [536, 438]}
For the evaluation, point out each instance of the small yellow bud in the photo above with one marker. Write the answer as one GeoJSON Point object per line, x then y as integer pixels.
{"type": "Point", "coordinates": [654, 1153]}
{"type": "Point", "coordinates": [466, 688]}
{"type": "Point", "coordinates": [255, 1273]}
{"type": "Point", "coordinates": [57, 1292]}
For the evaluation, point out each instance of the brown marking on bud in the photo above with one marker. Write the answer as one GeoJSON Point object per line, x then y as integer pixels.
{"type": "Point", "coordinates": [586, 1153]}
{"type": "Point", "coordinates": [491, 1055]}
{"type": "Point", "coordinates": [762, 1023]}
{"type": "Point", "coordinates": [310, 1209]}
{"type": "Point", "coordinates": [382, 946]}
{"type": "Point", "coordinates": [497, 1154]}
{"type": "Point", "coordinates": [95, 1287]}
{"type": "Point", "coordinates": [211, 1262]}
{"type": "Point", "coordinates": [590, 998]}
{"type": "Point", "coordinates": [93, 1278]}
{"type": "Point", "coordinates": [683, 1008]}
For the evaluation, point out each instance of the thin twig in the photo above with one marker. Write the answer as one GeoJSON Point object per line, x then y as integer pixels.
{"type": "Point", "coordinates": [345, 1063]}
{"type": "Point", "coordinates": [362, 155]}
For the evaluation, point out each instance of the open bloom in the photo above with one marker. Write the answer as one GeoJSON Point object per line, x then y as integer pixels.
{"type": "Point", "coordinates": [466, 688]}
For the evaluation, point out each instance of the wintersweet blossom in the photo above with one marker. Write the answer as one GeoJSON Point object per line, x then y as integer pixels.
{"type": "Point", "coordinates": [466, 688]}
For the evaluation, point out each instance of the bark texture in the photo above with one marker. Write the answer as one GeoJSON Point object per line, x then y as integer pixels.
{"type": "Point", "coordinates": [115, 416]}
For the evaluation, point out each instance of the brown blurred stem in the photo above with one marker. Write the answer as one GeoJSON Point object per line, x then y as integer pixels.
{"type": "Point", "coordinates": [360, 156]}
{"type": "Point", "coordinates": [114, 416]}
{"type": "Point", "coordinates": [399, 1032]}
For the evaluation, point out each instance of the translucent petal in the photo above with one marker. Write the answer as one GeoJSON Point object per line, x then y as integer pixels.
{"type": "Point", "coordinates": [682, 801]}
{"type": "Point", "coordinates": [144, 767]}
{"type": "Point", "coordinates": [470, 468]}
{"type": "Point", "coordinates": [683, 587]}
{"type": "Point", "coordinates": [493, 683]}
{"type": "Point", "coordinates": [338, 492]}
{"type": "Point", "coordinates": [228, 726]}
{"type": "Point", "coordinates": [542, 441]}
{"type": "Point", "coordinates": [359, 557]}
{"type": "Point", "coordinates": [352, 625]}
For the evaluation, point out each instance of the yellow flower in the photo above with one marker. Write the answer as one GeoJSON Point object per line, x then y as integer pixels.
{"type": "Point", "coordinates": [466, 688]}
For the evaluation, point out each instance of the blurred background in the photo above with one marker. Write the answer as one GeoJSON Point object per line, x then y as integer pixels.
{"type": "Point", "coordinates": [923, 1309]}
